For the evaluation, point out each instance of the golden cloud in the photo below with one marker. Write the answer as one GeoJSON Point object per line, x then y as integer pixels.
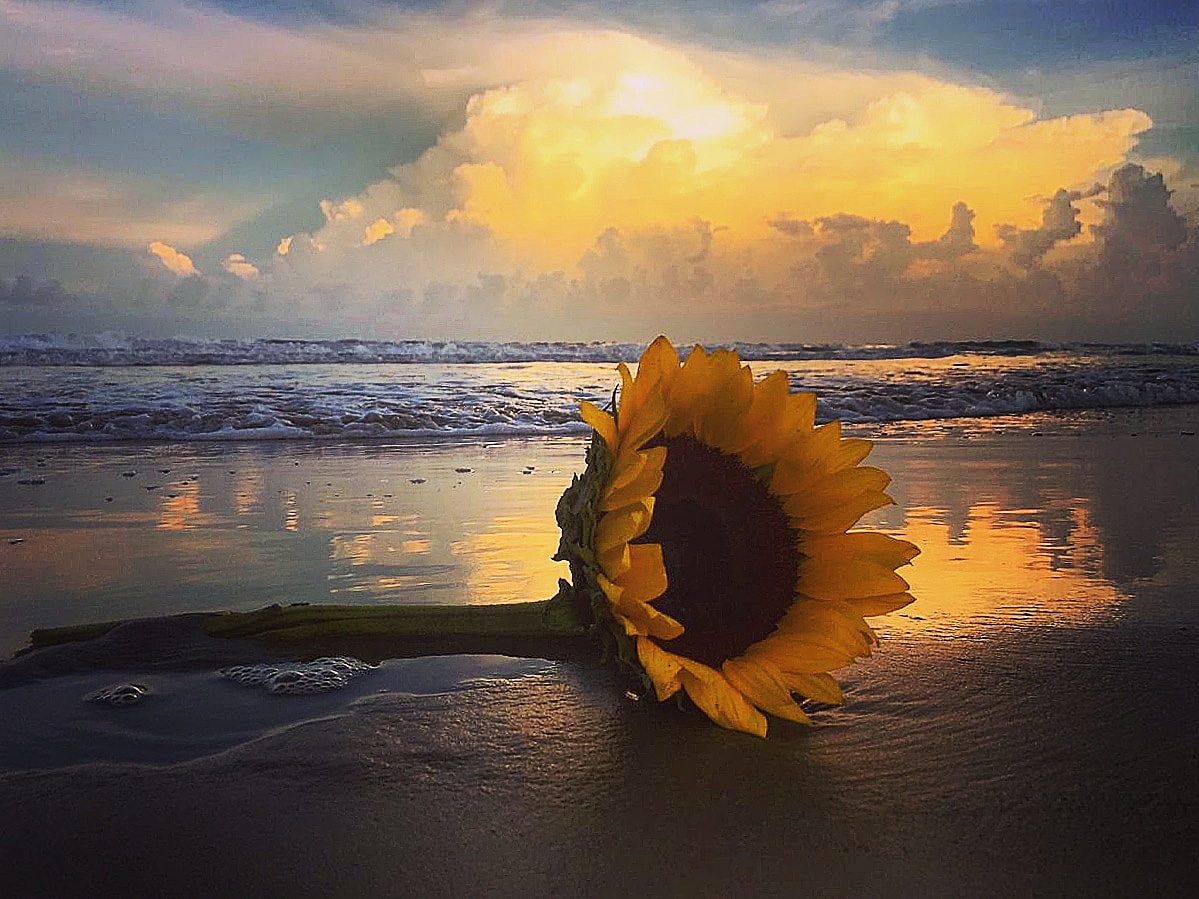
{"type": "Point", "coordinates": [645, 140]}
{"type": "Point", "coordinates": [664, 181]}
{"type": "Point", "coordinates": [172, 259]}
{"type": "Point", "coordinates": [376, 231]}
{"type": "Point", "coordinates": [237, 264]}
{"type": "Point", "coordinates": [551, 166]}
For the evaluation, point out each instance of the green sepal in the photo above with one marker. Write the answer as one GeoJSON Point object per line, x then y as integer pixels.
{"type": "Point", "coordinates": [578, 514]}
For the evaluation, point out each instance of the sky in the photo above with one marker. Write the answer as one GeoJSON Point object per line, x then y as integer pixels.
{"type": "Point", "coordinates": [816, 171]}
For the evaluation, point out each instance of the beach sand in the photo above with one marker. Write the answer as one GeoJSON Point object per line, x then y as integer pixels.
{"type": "Point", "coordinates": [1029, 727]}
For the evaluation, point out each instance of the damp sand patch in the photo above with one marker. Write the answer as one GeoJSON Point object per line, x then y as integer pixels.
{"type": "Point", "coordinates": [163, 717]}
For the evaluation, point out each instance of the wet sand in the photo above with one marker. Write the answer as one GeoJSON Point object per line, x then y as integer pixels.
{"type": "Point", "coordinates": [131, 530]}
{"type": "Point", "coordinates": [1029, 727]}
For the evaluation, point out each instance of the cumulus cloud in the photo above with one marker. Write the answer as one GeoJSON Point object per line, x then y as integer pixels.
{"type": "Point", "coordinates": [590, 182]}
{"type": "Point", "coordinates": [172, 260]}
{"type": "Point", "coordinates": [609, 123]}
{"type": "Point", "coordinates": [377, 230]}
{"type": "Point", "coordinates": [959, 237]}
{"type": "Point", "coordinates": [1059, 222]}
{"type": "Point", "coordinates": [1138, 225]}
{"type": "Point", "coordinates": [639, 176]}
{"type": "Point", "coordinates": [237, 264]}
{"type": "Point", "coordinates": [1143, 283]}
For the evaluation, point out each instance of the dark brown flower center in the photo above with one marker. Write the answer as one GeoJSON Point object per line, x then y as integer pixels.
{"type": "Point", "coordinates": [731, 556]}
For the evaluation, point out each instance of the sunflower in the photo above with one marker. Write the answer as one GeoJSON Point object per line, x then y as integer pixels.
{"type": "Point", "coordinates": [710, 536]}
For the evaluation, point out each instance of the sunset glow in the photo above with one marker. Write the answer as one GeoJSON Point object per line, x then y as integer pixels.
{"type": "Point", "coordinates": [822, 182]}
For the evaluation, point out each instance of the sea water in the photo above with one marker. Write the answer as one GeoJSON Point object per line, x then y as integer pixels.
{"type": "Point", "coordinates": [66, 389]}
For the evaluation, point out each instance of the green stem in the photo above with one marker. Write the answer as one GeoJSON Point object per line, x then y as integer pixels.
{"type": "Point", "coordinates": [552, 628]}
{"type": "Point", "coordinates": [509, 628]}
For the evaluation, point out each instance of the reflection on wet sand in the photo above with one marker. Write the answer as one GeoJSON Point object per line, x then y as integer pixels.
{"type": "Point", "coordinates": [109, 535]}
{"type": "Point", "coordinates": [1003, 569]}
{"type": "Point", "coordinates": [1015, 528]}
{"type": "Point", "coordinates": [508, 559]}
{"type": "Point", "coordinates": [1038, 520]}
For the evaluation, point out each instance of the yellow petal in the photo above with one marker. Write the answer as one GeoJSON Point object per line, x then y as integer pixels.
{"type": "Point", "coordinates": [639, 617]}
{"type": "Point", "coordinates": [762, 684]}
{"type": "Point", "coordinates": [625, 469]}
{"type": "Point", "coordinates": [645, 422]}
{"type": "Point", "coordinates": [798, 654]}
{"type": "Point", "coordinates": [655, 372]}
{"type": "Point", "coordinates": [658, 364]}
{"type": "Point", "coordinates": [645, 482]}
{"type": "Point", "coordinates": [662, 667]}
{"type": "Point", "coordinates": [839, 519]}
{"type": "Point", "coordinates": [850, 452]}
{"type": "Point", "coordinates": [646, 578]}
{"type": "Point", "coordinates": [780, 434]}
{"type": "Point", "coordinates": [616, 561]}
{"type": "Point", "coordinates": [834, 579]}
{"type": "Point", "coordinates": [823, 497]}
{"type": "Point", "coordinates": [623, 524]}
{"type": "Point", "coordinates": [718, 700]}
{"type": "Point", "coordinates": [690, 387]}
{"type": "Point", "coordinates": [718, 421]}
{"type": "Point", "coordinates": [868, 606]}
{"type": "Point", "coordinates": [643, 408]}
{"type": "Point", "coordinates": [807, 458]}
{"type": "Point", "coordinates": [601, 421]}
{"type": "Point", "coordinates": [861, 546]}
{"type": "Point", "coordinates": [804, 459]}
{"type": "Point", "coordinates": [629, 399]}
{"type": "Point", "coordinates": [646, 621]}
{"type": "Point", "coordinates": [837, 623]}
{"type": "Point", "coordinates": [820, 687]}
{"type": "Point", "coordinates": [768, 406]}
{"type": "Point", "coordinates": [801, 410]}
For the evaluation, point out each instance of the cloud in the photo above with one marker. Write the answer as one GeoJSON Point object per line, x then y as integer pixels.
{"type": "Point", "coordinates": [1144, 280]}
{"type": "Point", "coordinates": [82, 204]}
{"type": "Point", "coordinates": [959, 238]}
{"type": "Point", "coordinates": [605, 93]}
{"type": "Point", "coordinates": [26, 291]}
{"type": "Point", "coordinates": [635, 183]}
{"type": "Point", "coordinates": [793, 227]}
{"type": "Point", "coordinates": [1138, 223]}
{"type": "Point", "coordinates": [237, 264]}
{"type": "Point", "coordinates": [194, 294]}
{"type": "Point", "coordinates": [268, 78]}
{"type": "Point", "coordinates": [172, 259]}
{"type": "Point", "coordinates": [1059, 223]}
{"type": "Point", "coordinates": [587, 181]}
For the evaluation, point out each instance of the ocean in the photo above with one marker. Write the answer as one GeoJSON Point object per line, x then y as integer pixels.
{"type": "Point", "coordinates": [111, 388]}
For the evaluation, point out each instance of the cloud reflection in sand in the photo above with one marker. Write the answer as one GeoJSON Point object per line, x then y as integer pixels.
{"type": "Point", "coordinates": [1015, 529]}
{"type": "Point", "coordinates": [1005, 567]}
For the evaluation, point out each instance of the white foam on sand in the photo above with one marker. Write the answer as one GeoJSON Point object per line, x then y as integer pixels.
{"type": "Point", "coordinates": [321, 675]}
{"type": "Point", "coordinates": [162, 717]}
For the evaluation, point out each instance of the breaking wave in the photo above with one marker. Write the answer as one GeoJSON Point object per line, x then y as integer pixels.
{"type": "Point", "coordinates": [67, 389]}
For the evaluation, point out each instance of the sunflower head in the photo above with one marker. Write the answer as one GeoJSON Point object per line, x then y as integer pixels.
{"type": "Point", "coordinates": [709, 538]}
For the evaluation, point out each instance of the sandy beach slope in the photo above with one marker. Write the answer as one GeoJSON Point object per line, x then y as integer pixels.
{"type": "Point", "coordinates": [1029, 727]}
